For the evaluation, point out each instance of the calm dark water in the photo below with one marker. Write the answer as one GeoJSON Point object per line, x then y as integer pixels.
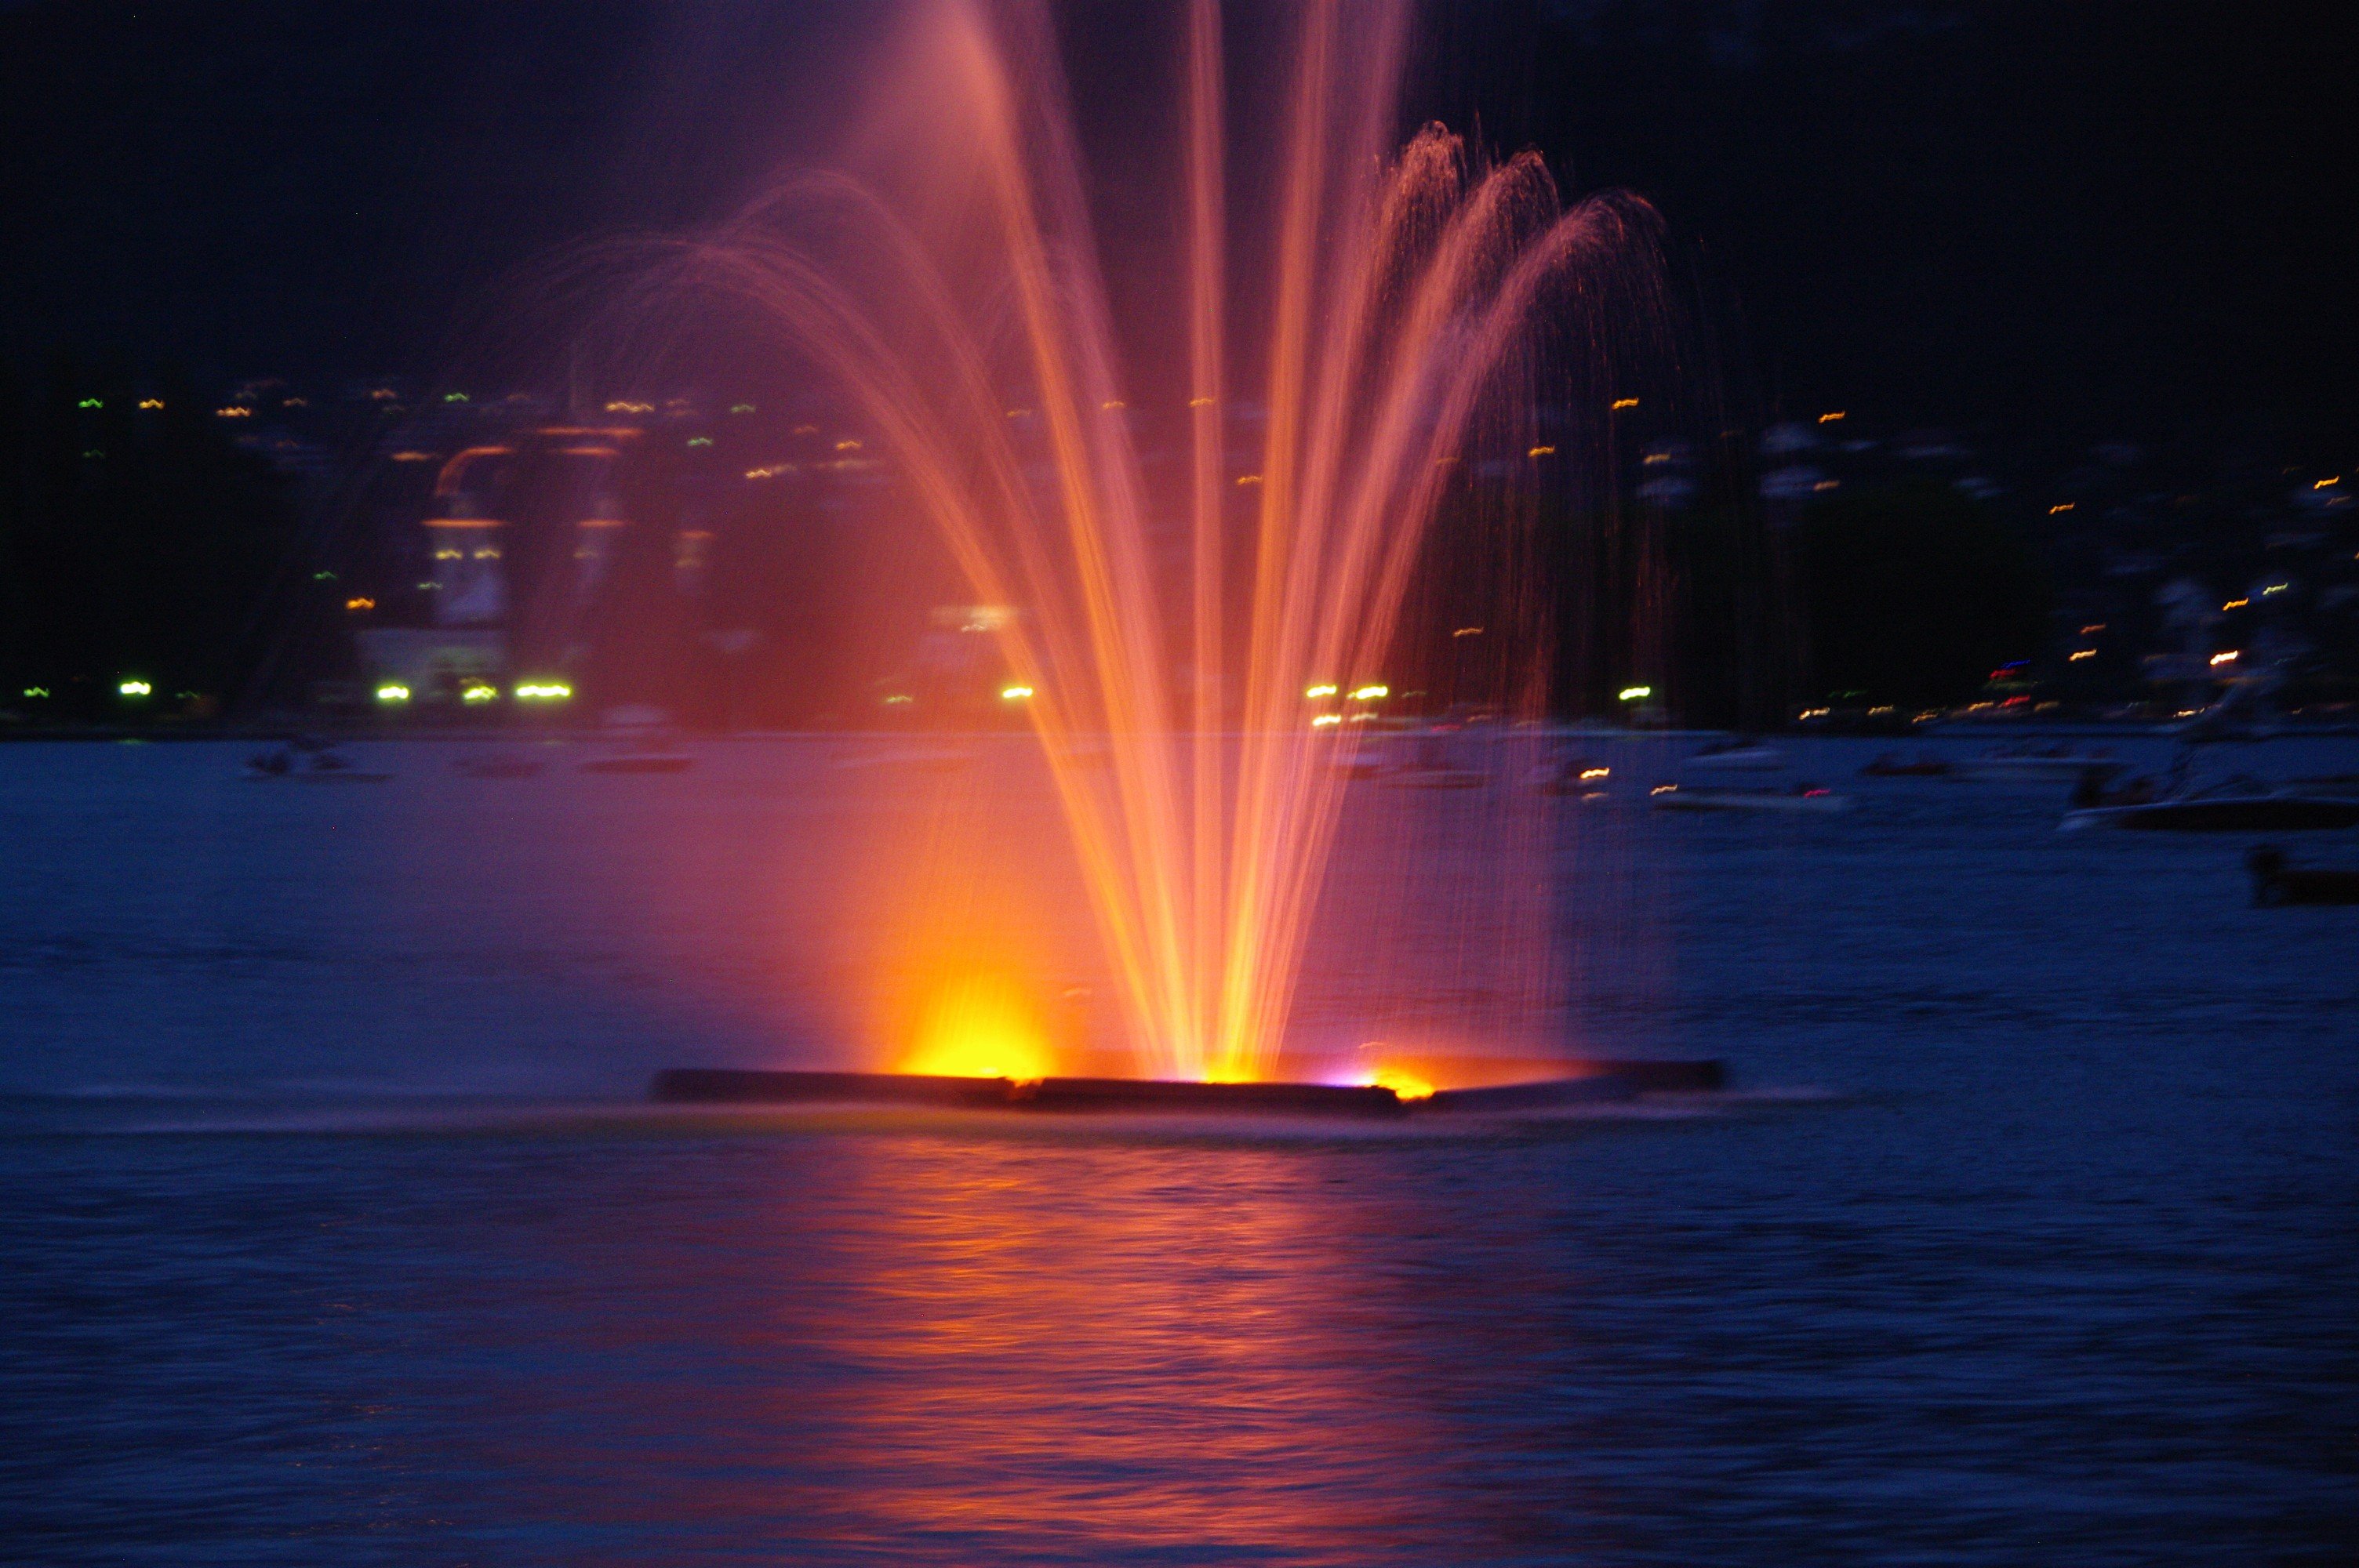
{"type": "Point", "coordinates": [327, 1235]}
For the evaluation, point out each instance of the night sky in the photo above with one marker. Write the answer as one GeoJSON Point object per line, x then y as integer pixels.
{"type": "Point", "coordinates": [2045, 223]}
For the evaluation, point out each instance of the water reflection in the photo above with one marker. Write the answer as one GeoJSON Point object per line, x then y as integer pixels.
{"type": "Point", "coordinates": [1053, 1340]}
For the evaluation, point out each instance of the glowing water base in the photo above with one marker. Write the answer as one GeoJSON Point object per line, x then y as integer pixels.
{"type": "Point", "coordinates": [964, 313]}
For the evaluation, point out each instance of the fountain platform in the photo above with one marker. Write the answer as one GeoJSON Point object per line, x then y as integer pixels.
{"type": "Point", "coordinates": [1574, 1083]}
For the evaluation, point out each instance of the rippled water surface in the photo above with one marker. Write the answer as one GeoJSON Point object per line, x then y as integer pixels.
{"type": "Point", "coordinates": [329, 1232]}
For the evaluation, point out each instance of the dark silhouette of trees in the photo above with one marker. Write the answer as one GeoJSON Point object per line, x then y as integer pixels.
{"type": "Point", "coordinates": [1913, 595]}
{"type": "Point", "coordinates": [135, 543]}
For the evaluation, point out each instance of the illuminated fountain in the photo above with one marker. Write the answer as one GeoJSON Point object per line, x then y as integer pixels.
{"type": "Point", "coordinates": [962, 307]}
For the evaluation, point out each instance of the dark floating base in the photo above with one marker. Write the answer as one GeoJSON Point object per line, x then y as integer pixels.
{"type": "Point", "coordinates": [1587, 1082]}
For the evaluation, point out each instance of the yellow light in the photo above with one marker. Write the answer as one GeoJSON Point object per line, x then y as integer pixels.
{"type": "Point", "coordinates": [1541, 452]}
{"type": "Point", "coordinates": [1319, 691]}
{"type": "Point", "coordinates": [1831, 419]}
{"type": "Point", "coordinates": [1590, 775]}
{"type": "Point", "coordinates": [1636, 693]}
{"type": "Point", "coordinates": [393, 691]}
{"type": "Point", "coordinates": [2325, 483]}
{"type": "Point", "coordinates": [898, 698]}
{"type": "Point", "coordinates": [1370, 693]}
{"type": "Point", "coordinates": [1622, 402]}
{"type": "Point", "coordinates": [2081, 653]}
{"type": "Point", "coordinates": [2227, 658]}
{"type": "Point", "coordinates": [151, 403]}
{"type": "Point", "coordinates": [2275, 588]}
{"type": "Point", "coordinates": [134, 689]}
{"type": "Point", "coordinates": [1014, 692]}
{"type": "Point", "coordinates": [1322, 720]}
{"type": "Point", "coordinates": [979, 1027]}
{"type": "Point", "coordinates": [544, 691]}
{"type": "Point", "coordinates": [479, 693]}
{"type": "Point", "coordinates": [234, 412]}
{"type": "Point", "coordinates": [2236, 604]}
{"type": "Point", "coordinates": [1403, 1084]}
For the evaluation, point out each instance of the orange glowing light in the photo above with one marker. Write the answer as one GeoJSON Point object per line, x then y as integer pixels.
{"type": "Point", "coordinates": [1622, 402]}
{"type": "Point", "coordinates": [360, 604]}
{"type": "Point", "coordinates": [980, 1027]}
{"type": "Point", "coordinates": [1541, 452]}
{"type": "Point", "coordinates": [2064, 507]}
{"type": "Point", "coordinates": [1831, 417]}
{"type": "Point", "coordinates": [1404, 1084]}
{"type": "Point", "coordinates": [2227, 658]}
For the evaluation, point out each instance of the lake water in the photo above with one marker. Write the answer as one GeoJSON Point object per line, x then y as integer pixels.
{"type": "Point", "coordinates": [330, 1232]}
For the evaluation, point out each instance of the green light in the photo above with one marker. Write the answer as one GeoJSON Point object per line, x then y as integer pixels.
{"type": "Point", "coordinates": [134, 689]}
{"type": "Point", "coordinates": [1636, 693]}
{"type": "Point", "coordinates": [90, 402]}
{"type": "Point", "coordinates": [479, 693]}
{"type": "Point", "coordinates": [741, 408]}
{"type": "Point", "coordinates": [454, 397]}
{"type": "Point", "coordinates": [699, 440]}
{"type": "Point", "coordinates": [37, 691]}
{"type": "Point", "coordinates": [323, 577]}
{"type": "Point", "coordinates": [393, 691]}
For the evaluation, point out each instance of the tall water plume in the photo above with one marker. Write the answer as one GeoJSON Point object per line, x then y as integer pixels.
{"type": "Point", "coordinates": [963, 307]}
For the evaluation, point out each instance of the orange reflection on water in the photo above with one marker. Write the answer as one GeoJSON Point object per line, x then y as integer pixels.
{"type": "Point", "coordinates": [1165, 1363]}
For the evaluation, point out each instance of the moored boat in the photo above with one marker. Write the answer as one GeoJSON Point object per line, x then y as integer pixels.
{"type": "Point", "coordinates": [1739, 755]}
{"type": "Point", "coordinates": [1810, 799]}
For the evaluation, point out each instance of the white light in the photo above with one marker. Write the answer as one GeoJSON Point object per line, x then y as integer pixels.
{"type": "Point", "coordinates": [1014, 692]}
{"type": "Point", "coordinates": [1370, 693]}
{"type": "Point", "coordinates": [134, 689]}
{"type": "Point", "coordinates": [1636, 693]}
{"type": "Point", "coordinates": [1319, 691]}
